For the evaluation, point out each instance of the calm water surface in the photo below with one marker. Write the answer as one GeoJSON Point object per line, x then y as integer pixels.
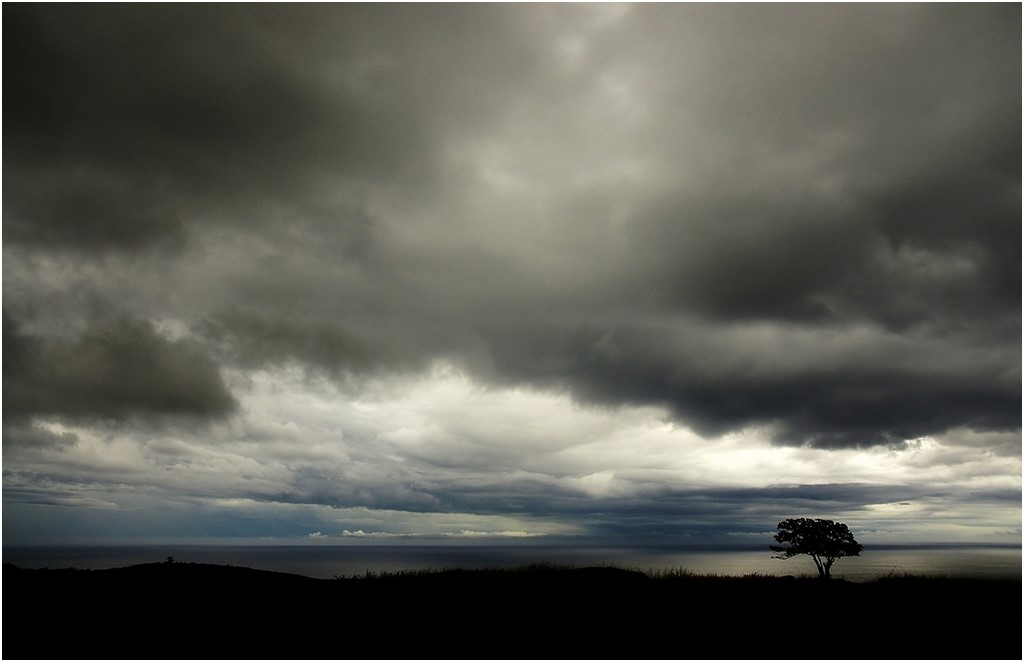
{"type": "Point", "coordinates": [346, 561]}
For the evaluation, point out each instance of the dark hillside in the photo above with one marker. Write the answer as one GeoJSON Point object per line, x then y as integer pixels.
{"type": "Point", "coordinates": [185, 610]}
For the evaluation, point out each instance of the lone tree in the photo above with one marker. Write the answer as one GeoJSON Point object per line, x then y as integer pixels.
{"type": "Point", "coordinates": [821, 539]}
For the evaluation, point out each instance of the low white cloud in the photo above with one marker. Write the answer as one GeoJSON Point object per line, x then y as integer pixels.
{"type": "Point", "coordinates": [404, 464]}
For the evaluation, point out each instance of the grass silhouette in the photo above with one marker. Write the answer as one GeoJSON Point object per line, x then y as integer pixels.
{"type": "Point", "coordinates": [186, 610]}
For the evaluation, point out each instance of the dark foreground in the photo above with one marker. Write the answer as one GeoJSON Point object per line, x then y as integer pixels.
{"type": "Point", "coordinates": [199, 611]}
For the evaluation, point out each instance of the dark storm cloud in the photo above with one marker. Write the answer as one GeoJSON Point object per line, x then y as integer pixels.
{"type": "Point", "coordinates": [87, 210]}
{"type": "Point", "coordinates": [666, 513]}
{"type": "Point", "coordinates": [800, 218]}
{"type": "Point", "coordinates": [122, 121]}
{"type": "Point", "coordinates": [818, 388]}
{"type": "Point", "coordinates": [16, 433]}
{"type": "Point", "coordinates": [111, 372]}
{"type": "Point", "coordinates": [856, 157]}
{"type": "Point", "coordinates": [250, 339]}
{"type": "Point", "coordinates": [716, 515]}
{"type": "Point", "coordinates": [939, 250]}
{"type": "Point", "coordinates": [855, 174]}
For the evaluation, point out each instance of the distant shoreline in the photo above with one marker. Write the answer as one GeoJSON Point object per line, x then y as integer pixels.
{"type": "Point", "coordinates": [533, 543]}
{"type": "Point", "coordinates": [326, 561]}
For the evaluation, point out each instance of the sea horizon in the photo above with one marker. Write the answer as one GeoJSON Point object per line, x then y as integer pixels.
{"type": "Point", "coordinates": [327, 561]}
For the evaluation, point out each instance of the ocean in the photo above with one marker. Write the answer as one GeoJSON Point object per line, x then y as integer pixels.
{"type": "Point", "coordinates": [326, 562]}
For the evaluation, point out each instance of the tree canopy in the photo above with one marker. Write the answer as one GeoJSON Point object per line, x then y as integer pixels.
{"type": "Point", "coordinates": [822, 539]}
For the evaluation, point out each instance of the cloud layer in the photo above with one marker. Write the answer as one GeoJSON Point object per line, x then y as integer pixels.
{"type": "Point", "coordinates": [799, 227]}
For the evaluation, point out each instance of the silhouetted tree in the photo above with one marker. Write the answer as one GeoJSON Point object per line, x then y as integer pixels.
{"type": "Point", "coordinates": [821, 539]}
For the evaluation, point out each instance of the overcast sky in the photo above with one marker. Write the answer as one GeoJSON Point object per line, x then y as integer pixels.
{"type": "Point", "coordinates": [663, 272]}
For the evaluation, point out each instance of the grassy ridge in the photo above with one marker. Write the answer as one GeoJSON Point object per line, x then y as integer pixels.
{"type": "Point", "coordinates": [202, 611]}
